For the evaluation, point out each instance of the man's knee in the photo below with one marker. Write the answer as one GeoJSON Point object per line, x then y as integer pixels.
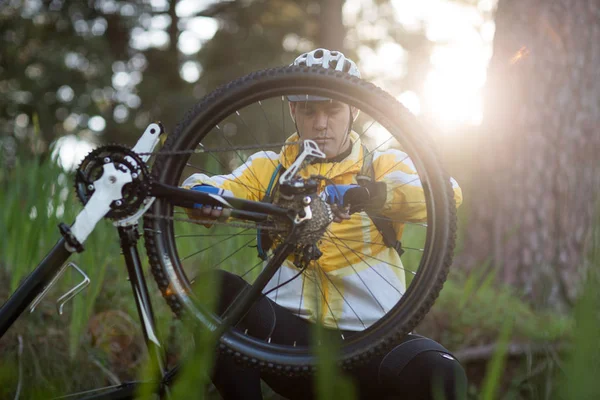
{"type": "Point", "coordinates": [425, 369]}
{"type": "Point", "coordinates": [446, 378]}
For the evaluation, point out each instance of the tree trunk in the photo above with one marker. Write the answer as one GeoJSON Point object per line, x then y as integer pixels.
{"type": "Point", "coordinates": [535, 187]}
{"type": "Point", "coordinates": [331, 26]}
{"type": "Point", "coordinates": [172, 74]}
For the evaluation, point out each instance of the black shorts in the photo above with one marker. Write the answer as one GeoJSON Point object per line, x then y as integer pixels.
{"type": "Point", "coordinates": [414, 369]}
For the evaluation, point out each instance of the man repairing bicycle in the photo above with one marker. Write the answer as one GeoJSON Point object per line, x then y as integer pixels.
{"type": "Point", "coordinates": [417, 367]}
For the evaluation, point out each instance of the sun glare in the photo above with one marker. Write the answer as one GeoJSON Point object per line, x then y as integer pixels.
{"type": "Point", "coordinates": [376, 136]}
{"type": "Point", "coordinates": [452, 89]}
{"type": "Point", "coordinates": [410, 100]}
{"type": "Point", "coordinates": [383, 60]}
{"type": "Point", "coordinates": [462, 44]}
{"type": "Point", "coordinates": [70, 150]}
{"type": "Point", "coordinates": [452, 99]}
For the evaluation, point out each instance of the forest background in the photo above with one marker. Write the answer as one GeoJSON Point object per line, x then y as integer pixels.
{"type": "Point", "coordinates": [509, 90]}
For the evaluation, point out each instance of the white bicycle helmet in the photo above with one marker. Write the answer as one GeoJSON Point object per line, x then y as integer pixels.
{"type": "Point", "coordinates": [326, 59]}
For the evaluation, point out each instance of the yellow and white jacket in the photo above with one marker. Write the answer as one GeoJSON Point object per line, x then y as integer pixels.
{"type": "Point", "coordinates": [357, 279]}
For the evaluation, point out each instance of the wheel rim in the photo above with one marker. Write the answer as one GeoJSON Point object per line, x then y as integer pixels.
{"type": "Point", "coordinates": [257, 95]}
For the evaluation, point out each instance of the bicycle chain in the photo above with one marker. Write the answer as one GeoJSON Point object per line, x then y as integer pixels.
{"type": "Point", "coordinates": [216, 150]}
{"type": "Point", "coordinates": [216, 222]}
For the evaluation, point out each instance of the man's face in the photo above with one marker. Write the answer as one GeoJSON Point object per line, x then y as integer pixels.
{"type": "Point", "coordinates": [325, 122]}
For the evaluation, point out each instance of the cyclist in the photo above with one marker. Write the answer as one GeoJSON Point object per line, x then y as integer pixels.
{"type": "Point", "coordinates": [417, 366]}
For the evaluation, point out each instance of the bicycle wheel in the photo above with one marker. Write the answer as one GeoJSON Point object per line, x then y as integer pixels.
{"type": "Point", "coordinates": [353, 287]}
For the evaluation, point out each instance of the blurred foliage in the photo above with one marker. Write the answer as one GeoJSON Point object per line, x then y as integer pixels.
{"type": "Point", "coordinates": [98, 341]}
{"type": "Point", "coordinates": [471, 312]}
{"type": "Point", "coordinates": [55, 63]}
{"type": "Point", "coordinates": [497, 363]}
{"type": "Point", "coordinates": [36, 195]}
{"type": "Point", "coordinates": [62, 63]}
{"type": "Point", "coordinates": [582, 366]}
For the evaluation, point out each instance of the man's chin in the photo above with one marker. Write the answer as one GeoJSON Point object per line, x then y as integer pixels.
{"type": "Point", "coordinates": [329, 149]}
{"type": "Point", "coordinates": [326, 149]}
{"type": "Point", "coordinates": [330, 154]}
{"type": "Point", "coordinates": [322, 145]}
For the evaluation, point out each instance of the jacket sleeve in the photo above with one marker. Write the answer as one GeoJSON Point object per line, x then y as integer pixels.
{"type": "Point", "coordinates": [248, 181]}
{"type": "Point", "coordinates": [405, 200]}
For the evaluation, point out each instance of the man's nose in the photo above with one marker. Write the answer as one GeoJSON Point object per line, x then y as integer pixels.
{"type": "Point", "coordinates": [321, 120]}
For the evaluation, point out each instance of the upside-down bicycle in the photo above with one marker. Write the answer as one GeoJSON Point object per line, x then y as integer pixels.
{"type": "Point", "coordinates": [216, 137]}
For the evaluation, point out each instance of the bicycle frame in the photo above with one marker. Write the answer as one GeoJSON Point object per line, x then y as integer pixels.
{"type": "Point", "coordinates": [41, 276]}
{"type": "Point", "coordinates": [39, 280]}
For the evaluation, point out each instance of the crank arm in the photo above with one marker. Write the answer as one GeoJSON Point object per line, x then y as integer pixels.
{"type": "Point", "coordinates": [145, 144]}
{"type": "Point", "coordinates": [149, 140]}
{"type": "Point", "coordinates": [108, 189]}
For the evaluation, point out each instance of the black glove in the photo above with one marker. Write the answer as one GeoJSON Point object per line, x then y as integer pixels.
{"type": "Point", "coordinates": [369, 197]}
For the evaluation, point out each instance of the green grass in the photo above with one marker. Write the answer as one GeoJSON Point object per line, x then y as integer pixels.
{"type": "Point", "coordinates": [563, 361]}
{"type": "Point", "coordinates": [60, 353]}
{"type": "Point", "coordinates": [98, 338]}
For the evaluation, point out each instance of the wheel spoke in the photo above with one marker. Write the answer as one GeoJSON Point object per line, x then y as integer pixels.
{"type": "Point", "coordinates": [261, 262]}
{"type": "Point", "coordinates": [359, 277]}
{"type": "Point", "coordinates": [197, 235]}
{"type": "Point", "coordinates": [251, 134]}
{"type": "Point", "coordinates": [242, 160]}
{"type": "Point", "coordinates": [368, 153]}
{"type": "Point", "coordinates": [358, 253]}
{"type": "Point", "coordinates": [318, 272]}
{"type": "Point", "coordinates": [344, 298]}
{"type": "Point", "coordinates": [238, 133]}
{"type": "Point", "coordinates": [234, 253]}
{"type": "Point", "coordinates": [376, 244]}
{"type": "Point", "coordinates": [212, 245]}
{"type": "Point", "coordinates": [369, 265]}
{"type": "Point", "coordinates": [236, 178]}
{"type": "Point", "coordinates": [250, 294]}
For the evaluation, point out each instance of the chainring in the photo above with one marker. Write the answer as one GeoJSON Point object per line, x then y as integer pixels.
{"type": "Point", "coordinates": [134, 193]}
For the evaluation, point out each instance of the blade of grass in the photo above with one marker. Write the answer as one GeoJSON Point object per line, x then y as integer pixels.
{"type": "Point", "coordinates": [495, 367]}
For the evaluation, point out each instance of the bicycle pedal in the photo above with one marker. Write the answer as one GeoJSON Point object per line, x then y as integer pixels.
{"type": "Point", "coordinates": [62, 300]}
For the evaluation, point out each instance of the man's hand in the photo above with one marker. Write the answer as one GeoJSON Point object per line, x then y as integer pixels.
{"type": "Point", "coordinates": [205, 212]}
{"type": "Point", "coordinates": [349, 199]}
{"type": "Point", "coordinates": [340, 213]}
{"type": "Point", "coordinates": [211, 212]}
